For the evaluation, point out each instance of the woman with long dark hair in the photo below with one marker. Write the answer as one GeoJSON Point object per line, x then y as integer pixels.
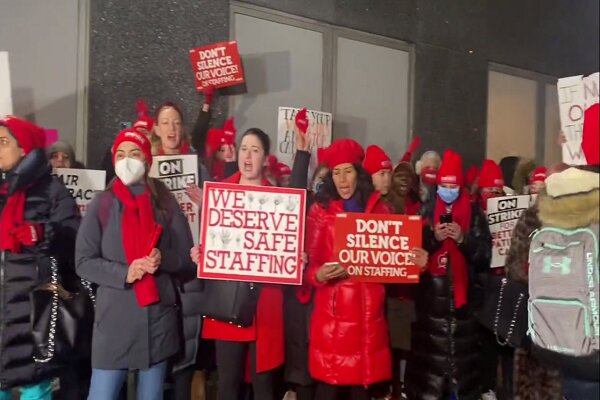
{"type": "Point", "coordinates": [263, 340]}
{"type": "Point", "coordinates": [349, 344]}
{"type": "Point", "coordinates": [133, 242]}
{"type": "Point", "coordinates": [38, 220]}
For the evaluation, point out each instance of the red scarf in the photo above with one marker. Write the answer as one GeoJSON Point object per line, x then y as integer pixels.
{"type": "Point", "coordinates": [184, 148]}
{"type": "Point", "coordinates": [13, 216]}
{"type": "Point", "coordinates": [461, 214]}
{"type": "Point", "coordinates": [138, 229]}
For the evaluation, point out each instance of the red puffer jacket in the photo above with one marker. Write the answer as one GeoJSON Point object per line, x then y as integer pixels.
{"type": "Point", "coordinates": [267, 329]}
{"type": "Point", "coordinates": [349, 342]}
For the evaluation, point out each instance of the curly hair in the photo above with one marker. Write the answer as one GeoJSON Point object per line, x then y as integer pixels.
{"type": "Point", "coordinates": [364, 188]}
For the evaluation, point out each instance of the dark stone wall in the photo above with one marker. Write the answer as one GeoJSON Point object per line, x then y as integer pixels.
{"type": "Point", "coordinates": [139, 50]}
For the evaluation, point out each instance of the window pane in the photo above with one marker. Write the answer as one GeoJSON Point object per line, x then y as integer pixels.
{"type": "Point", "coordinates": [511, 118]}
{"type": "Point", "coordinates": [283, 67]}
{"type": "Point", "coordinates": [372, 95]}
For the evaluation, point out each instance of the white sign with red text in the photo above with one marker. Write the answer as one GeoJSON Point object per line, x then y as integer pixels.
{"type": "Point", "coordinates": [252, 233]}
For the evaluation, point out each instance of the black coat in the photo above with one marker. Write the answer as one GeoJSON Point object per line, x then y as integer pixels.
{"type": "Point", "coordinates": [296, 314]}
{"type": "Point", "coordinates": [445, 353]}
{"type": "Point", "coordinates": [47, 203]}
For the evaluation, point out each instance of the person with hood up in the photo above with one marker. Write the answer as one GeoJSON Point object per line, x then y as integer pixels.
{"type": "Point", "coordinates": [445, 357]}
{"type": "Point", "coordinates": [349, 344]}
{"type": "Point", "coordinates": [572, 201]}
{"type": "Point", "coordinates": [534, 379]}
{"type": "Point", "coordinates": [62, 155]}
{"type": "Point", "coordinates": [38, 220]}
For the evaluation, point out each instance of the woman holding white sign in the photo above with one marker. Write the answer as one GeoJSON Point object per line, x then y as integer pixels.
{"type": "Point", "coordinates": [349, 344]}
{"type": "Point", "coordinates": [264, 339]}
{"type": "Point", "coordinates": [133, 243]}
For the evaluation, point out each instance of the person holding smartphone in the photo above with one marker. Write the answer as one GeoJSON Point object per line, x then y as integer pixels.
{"type": "Point", "coordinates": [349, 345]}
{"type": "Point", "coordinates": [444, 360]}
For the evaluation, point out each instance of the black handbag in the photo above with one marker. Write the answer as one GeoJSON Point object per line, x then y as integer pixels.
{"type": "Point", "coordinates": [504, 310]}
{"type": "Point", "coordinates": [230, 301]}
{"type": "Point", "coordinates": [61, 321]}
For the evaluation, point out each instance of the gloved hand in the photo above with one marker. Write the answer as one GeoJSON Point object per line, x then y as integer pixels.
{"type": "Point", "coordinates": [29, 234]}
{"type": "Point", "coordinates": [209, 94]}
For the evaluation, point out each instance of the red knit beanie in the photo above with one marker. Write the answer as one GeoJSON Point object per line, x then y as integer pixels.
{"type": "Point", "coordinates": [133, 136]}
{"type": "Point", "coordinates": [472, 175]}
{"type": "Point", "coordinates": [490, 175]}
{"type": "Point", "coordinates": [538, 175]}
{"type": "Point", "coordinates": [343, 151]}
{"type": "Point", "coordinates": [28, 135]}
{"type": "Point", "coordinates": [451, 169]}
{"type": "Point", "coordinates": [376, 160]}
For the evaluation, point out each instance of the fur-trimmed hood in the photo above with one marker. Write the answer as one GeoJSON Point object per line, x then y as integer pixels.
{"type": "Point", "coordinates": [570, 211]}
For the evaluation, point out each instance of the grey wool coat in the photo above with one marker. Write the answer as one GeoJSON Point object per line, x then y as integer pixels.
{"type": "Point", "coordinates": [127, 336]}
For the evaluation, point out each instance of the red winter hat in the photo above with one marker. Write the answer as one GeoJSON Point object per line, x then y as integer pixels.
{"type": "Point", "coordinates": [343, 151]}
{"type": "Point", "coordinates": [229, 131]}
{"type": "Point", "coordinates": [451, 169]}
{"type": "Point", "coordinates": [282, 170]}
{"type": "Point", "coordinates": [145, 121]}
{"type": "Point", "coordinates": [538, 175]}
{"type": "Point", "coordinates": [376, 160]}
{"type": "Point", "coordinates": [490, 175]}
{"type": "Point", "coordinates": [28, 135]}
{"type": "Point", "coordinates": [472, 175]}
{"type": "Point", "coordinates": [133, 136]}
{"type": "Point", "coordinates": [590, 142]}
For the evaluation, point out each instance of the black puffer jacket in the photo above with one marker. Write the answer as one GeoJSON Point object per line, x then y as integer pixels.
{"type": "Point", "coordinates": [47, 203]}
{"type": "Point", "coordinates": [445, 341]}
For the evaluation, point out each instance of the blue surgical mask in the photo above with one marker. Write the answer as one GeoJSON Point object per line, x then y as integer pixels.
{"type": "Point", "coordinates": [448, 195]}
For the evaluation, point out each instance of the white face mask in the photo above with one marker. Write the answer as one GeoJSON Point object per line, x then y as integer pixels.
{"type": "Point", "coordinates": [130, 170]}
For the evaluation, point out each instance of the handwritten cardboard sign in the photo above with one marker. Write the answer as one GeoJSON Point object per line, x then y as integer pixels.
{"type": "Point", "coordinates": [252, 233]}
{"type": "Point", "coordinates": [375, 248]}
{"type": "Point", "coordinates": [575, 95]}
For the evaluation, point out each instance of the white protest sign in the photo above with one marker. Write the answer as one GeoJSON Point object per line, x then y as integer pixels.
{"type": "Point", "coordinates": [83, 184]}
{"type": "Point", "coordinates": [177, 172]}
{"type": "Point", "coordinates": [252, 233]}
{"type": "Point", "coordinates": [503, 214]}
{"type": "Point", "coordinates": [6, 107]}
{"type": "Point", "coordinates": [575, 95]}
{"type": "Point", "coordinates": [320, 128]}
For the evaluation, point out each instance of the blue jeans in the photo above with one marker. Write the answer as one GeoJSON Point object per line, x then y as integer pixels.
{"type": "Point", "coordinates": [106, 383]}
{"type": "Point", "coordinates": [575, 389]}
{"type": "Point", "coordinates": [38, 391]}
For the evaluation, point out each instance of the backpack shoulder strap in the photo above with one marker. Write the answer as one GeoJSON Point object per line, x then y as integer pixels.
{"type": "Point", "coordinates": [106, 199]}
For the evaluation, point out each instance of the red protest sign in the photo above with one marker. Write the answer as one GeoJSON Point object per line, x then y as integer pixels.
{"type": "Point", "coordinates": [375, 248]}
{"type": "Point", "coordinates": [252, 233]}
{"type": "Point", "coordinates": [217, 65]}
